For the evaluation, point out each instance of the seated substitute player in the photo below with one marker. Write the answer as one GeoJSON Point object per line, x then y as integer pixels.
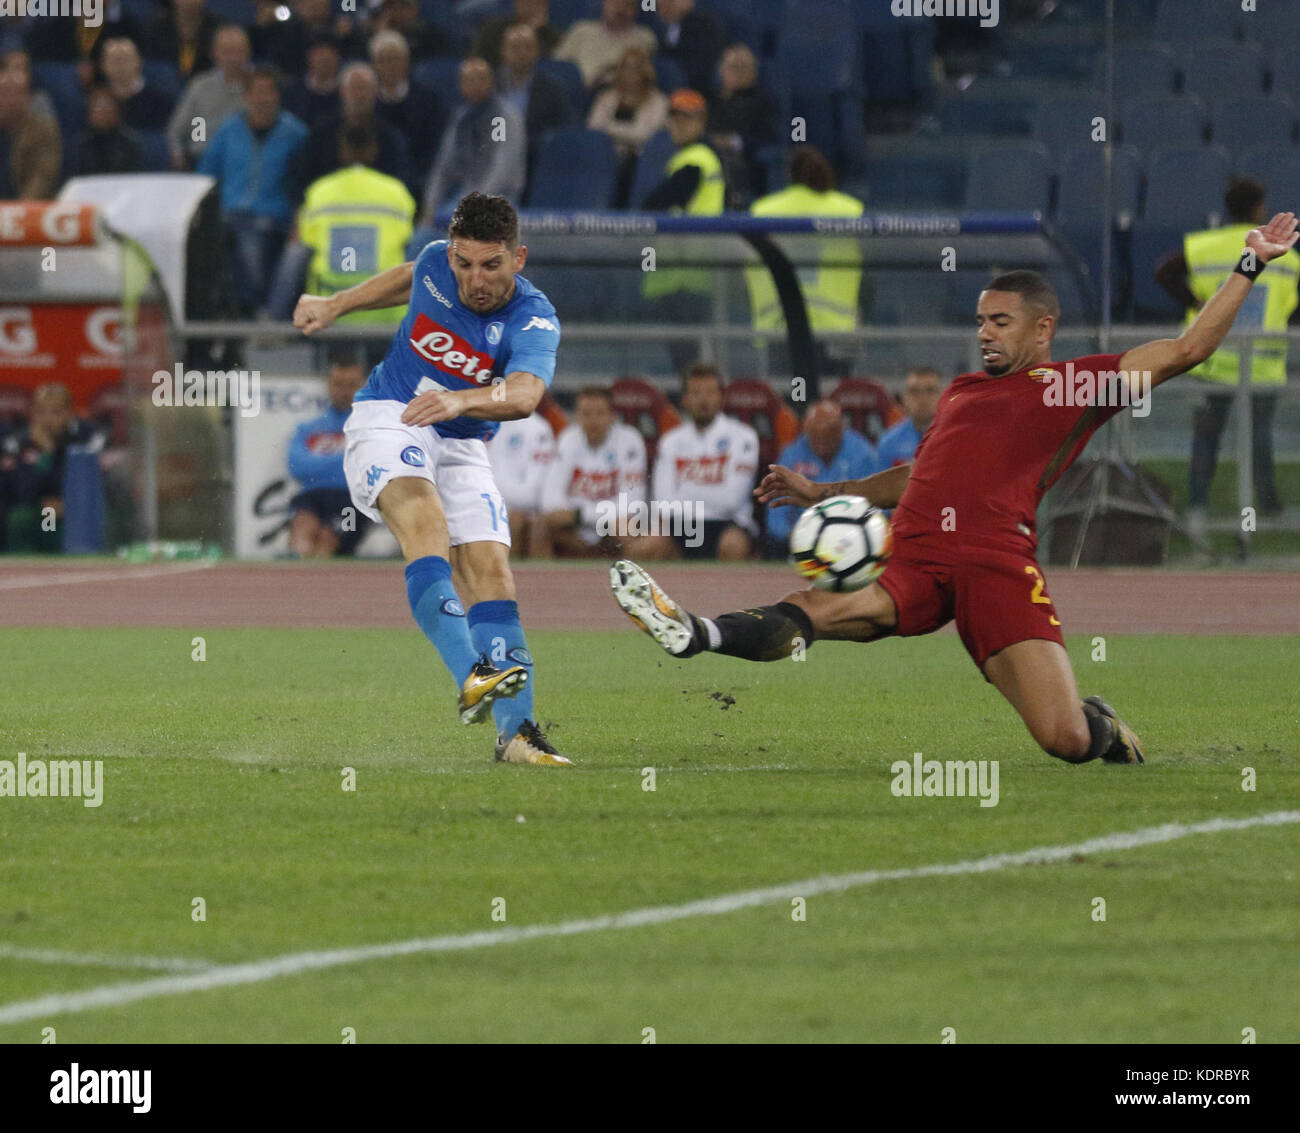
{"type": "Point", "coordinates": [597, 458]}
{"type": "Point", "coordinates": [708, 463]}
{"type": "Point", "coordinates": [964, 536]}
{"type": "Point", "coordinates": [416, 456]}
{"type": "Point", "coordinates": [320, 527]}
{"type": "Point", "coordinates": [520, 453]}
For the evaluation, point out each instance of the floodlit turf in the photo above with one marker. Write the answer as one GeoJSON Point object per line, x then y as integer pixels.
{"type": "Point", "coordinates": [223, 781]}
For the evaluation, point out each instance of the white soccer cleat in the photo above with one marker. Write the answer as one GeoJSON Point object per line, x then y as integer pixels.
{"type": "Point", "coordinates": [641, 599]}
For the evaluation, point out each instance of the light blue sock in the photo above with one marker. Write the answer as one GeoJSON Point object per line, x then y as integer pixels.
{"type": "Point", "coordinates": [439, 614]}
{"type": "Point", "coordinates": [495, 630]}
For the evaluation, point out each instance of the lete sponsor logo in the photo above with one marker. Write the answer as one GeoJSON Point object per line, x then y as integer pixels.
{"type": "Point", "coordinates": [449, 352]}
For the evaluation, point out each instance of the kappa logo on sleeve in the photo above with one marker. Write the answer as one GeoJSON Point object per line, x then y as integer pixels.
{"type": "Point", "coordinates": [539, 323]}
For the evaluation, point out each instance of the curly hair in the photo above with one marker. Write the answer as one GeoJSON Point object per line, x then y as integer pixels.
{"type": "Point", "coordinates": [490, 220]}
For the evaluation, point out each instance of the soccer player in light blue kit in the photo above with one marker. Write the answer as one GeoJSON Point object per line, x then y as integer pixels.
{"type": "Point", "coordinates": [477, 346]}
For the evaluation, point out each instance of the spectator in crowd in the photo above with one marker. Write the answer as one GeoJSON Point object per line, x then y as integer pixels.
{"type": "Point", "coordinates": [708, 463]}
{"type": "Point", "coordinates": [630, 111]}
{"type": "Point", "coordinates": [599, 464]}
{"type": "Point", "coordinates": [256, 158]}
{"type": "Point", "coordinates": [31, 149]}
{"type": "Point", "coordinates": [32, 460]}
{"type": "Point", "coordinates": [742, 115]}
{"type": "Point", "coordinates": [693, 38]}
{"type": "Point", "coordinates": [693, 183]}
{"type": "Point", "coordinates": [323, 521]}
{"type": "Point", "coordinates": [536, 14]}
{"type": "Point", "coordinates": [142, 106]}
{"type": "Point", "coordinates": [210, 98]}
{"type": "Point", "coordinates": [921, 390]}
{"type": "Point", "coordinates": [357, 223]}
{"type": "Point", "coordinates": [315, 95]}
{"type": "Point", "coordinates": [67, 40]}
{"type": "Point", "coordinates": [477, 154]}
{"type": "Point", "coordinates": [827, 451]}
{"type": "Point", "coordinates": [537, 98]}
{"type": "Point", "coordinates": [1190, 278]}
{"type": "Point", "coordinates": [19, 60]}
{"type": "Point", "coordinates": [106, 147]}
{"type": "Point", "coordinates": [520, 452]}
{"type": "Point", "coordinates": [596, 46]}
{"type": "Point", "coordinates": [412, 110]}
{"type": "Point", "coordinates": [831, 293]}
{"type": "Point", "coordinates": [285, 43]}
{"type": "Point", "coordinates": [184, 34]}
{"type": "Point", "coordinates": [358, 94]}
{"type": "Point", "coordinates": [403, 17]}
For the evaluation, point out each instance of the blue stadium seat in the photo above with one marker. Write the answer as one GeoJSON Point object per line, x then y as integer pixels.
{"type": "Point", "coordinates": [1273, 24]}
{"type": "Point", "coordinates": [60, 82]}
{"type": "Point", "coordinates": [970, 113]}
{"type": "Point", "coordinates": [917, 180]}
{"type": "Point", "coordinates": [1279, 172]}
{"type": "Point", "coordinates": [650, 166]}
{"type": "Point", "coordinates": [909, 297]}
{"type": "Point", "coordinates": [769, 17]}
{"type": "Point", "coordinates": [1174, 121]}
{"type": "Point", "coordinates": [154, 152]}
{"type": "Point", "coordinates": [670, 74]}
{"type": "Point", "coordinates": [1060, 123]}
{"type": "Point", "coordinates": [164, 77]}
{"type": "Point", "coordinates": [815, 54]}
{"type": "Point", "coordinates": [1184, 20]}
{"type": "Point", "coordinates": [737, 20]}
{"type": "Point", "coordinates": [1286, 74]}
{"type": "Point", "coordinates": [576, 169]}
{"type": "Point", "coordinates": [1011, 178]}
{"type": "Point", "coordinates": [242, 12]}
{"type": "Point", "coordinates": [897, 57]}
{"type": "Point", "coordinates": [565, 12]}
{"type": "Point", "coordinates": [570, 78]}
{"type": "Point", "coordinates": [1236, 123]}
{"type": "Point", "coordinates": [1213, 70]}
{"type": "Point", "coordinates": [1141, 70]}
{"type": "Point", "coordinates": [1081, 190]}
{"type": "Point", "coordinates": [441, 75]}
{"type": "Point", "coordinates": [1185, 188]}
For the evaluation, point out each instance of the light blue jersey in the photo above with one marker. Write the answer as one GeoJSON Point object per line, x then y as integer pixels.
{"type": "Point", "coordinates": [442, 344]}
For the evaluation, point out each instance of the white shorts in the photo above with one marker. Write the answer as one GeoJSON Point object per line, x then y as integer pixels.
{"type": "Point", "coordinates": [380, 448]}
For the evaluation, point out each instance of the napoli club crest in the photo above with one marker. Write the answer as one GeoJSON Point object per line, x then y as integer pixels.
{"type": "Point", "coordinates": [724, 443]}
{"type": "Point", "coordinates": [413, 455]}
{"type": "Point", "coordinates": [494, 333]}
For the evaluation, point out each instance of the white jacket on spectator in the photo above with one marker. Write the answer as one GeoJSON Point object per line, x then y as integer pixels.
{"type": "Point", "coordinates": [520, 454]}
{"type": "Point", "coordinates": [581, 476]}
{"type": "Point", "coordinates": [713, 467]}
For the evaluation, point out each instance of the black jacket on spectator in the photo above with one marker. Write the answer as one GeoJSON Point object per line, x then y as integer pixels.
{"type": "Point", "coordinates": [162, 41]}
{"type": "Point", "coordinates": [56, 39]}
{"type": "Point", "coordinates": [419, 118]}
{"type": "Point", "coordinates": [105, 151]}
{"type": "Point", "coordinates": [308, 106]}
{"type": "Point", "coordinates": [487, 44]}
{"type": "Point", "coordinates": [751, 114]}
{"type": "Point", "coordinates": [284, 43]}
{"type": "Point", "coordinates": [322, 154]}
{"type": "Point", "coordinates": [548, 107]}
{"type": "Point", "coordinates": [147, 109]}
{"type": "Point", "coordinates": [698, 49]}
{"type": "Point", "coordinates": [29, 476]}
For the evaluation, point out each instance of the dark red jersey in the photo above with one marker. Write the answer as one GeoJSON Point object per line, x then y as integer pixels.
{"type": "Point", "coordinates": [994, 448]}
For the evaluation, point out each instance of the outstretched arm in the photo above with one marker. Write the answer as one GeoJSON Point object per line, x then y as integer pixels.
{"type": "Point", "coordinates": [1168, 357]}
{"type": "Point", "coordinates": [783, 486]}
{"type": "Point", "coordinates": [387, 289]}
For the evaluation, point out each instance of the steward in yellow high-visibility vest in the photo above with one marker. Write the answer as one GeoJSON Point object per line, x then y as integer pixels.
{"type": "Point", "coordinates": [1207, 259]}
{"type": "Point", "coordinates": [830, 293]}
{"type": "Point", "coordinates": [357, 221]}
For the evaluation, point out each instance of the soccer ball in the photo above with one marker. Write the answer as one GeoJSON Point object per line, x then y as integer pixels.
{"type": "Point", "coordinates": [841, 543]}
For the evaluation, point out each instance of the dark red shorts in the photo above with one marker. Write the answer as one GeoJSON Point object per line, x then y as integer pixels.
{"type": "Point", "coordinates": [997, 598]}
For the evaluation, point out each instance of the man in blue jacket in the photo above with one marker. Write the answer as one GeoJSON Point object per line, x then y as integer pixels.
{"type": "Point", "coordinates": [256, 158]}
{"type": "Point", "coordinates": [825, 449]}
{"type": "Point", "coordinates": [324, 522]}
{"type": "Point", "coordinates": [921, 389]}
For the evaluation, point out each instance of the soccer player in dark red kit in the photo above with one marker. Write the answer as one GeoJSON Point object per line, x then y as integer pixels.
{"type": "Point", "coordinates": [964, 528]}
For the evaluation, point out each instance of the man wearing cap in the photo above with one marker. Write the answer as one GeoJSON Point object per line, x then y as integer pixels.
{"type": "Point", "coordinates": [693, 184]}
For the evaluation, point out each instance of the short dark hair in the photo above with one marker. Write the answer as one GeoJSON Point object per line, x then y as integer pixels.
{"type": "Point", "coordinates": [703, 370]}
{"type": "Point", "coordinates": [266, 71]}
{"type": "Point", "coordinates": [489, 220]}
{"type": "Point", "coordinates": [595, 391]}
{"type": "Point", "coordinates": [1243, 197]}
{"type": "Point", "coordinates": [1033, 288]}
{"type": "Point", "coordinates": [809, 167]}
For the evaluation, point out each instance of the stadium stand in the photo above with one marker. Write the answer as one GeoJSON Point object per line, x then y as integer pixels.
{"type": "Point", "coordinates": [1212, 68]}
{"type": "Point", "coordinates": [1175, 120]}
{"type": "Point", "coordinates": [1012, 178]}
{"type": "Point", "coordinates": [576, 168]}
{"type": "Point", "coordinates": [1142, 70]}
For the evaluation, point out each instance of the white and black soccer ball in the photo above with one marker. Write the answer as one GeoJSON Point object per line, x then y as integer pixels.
{"type": "Point", "coordinates": [841, 543]}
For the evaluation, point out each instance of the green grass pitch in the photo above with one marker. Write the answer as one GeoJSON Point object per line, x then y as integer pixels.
{"type": "Point", "coordinates": [224, 781]}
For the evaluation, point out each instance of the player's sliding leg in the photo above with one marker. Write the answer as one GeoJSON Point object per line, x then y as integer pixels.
{"type": "Point", "coordinates": [411, 508]}
{"type": "Point", "coordinates": [1035, 676]}
{"type": "Point", "coordinates": [761, 633]}
{"type": "Point", "coordinates": [495, 631]}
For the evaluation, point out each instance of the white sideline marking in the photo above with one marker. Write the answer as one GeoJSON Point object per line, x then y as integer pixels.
{"type": "Point", "coordinates": [73, 578]}
{"type": "Point", "coordinates": [98, 960]}
{"type": "Point", "coordinates": [256, 971]}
